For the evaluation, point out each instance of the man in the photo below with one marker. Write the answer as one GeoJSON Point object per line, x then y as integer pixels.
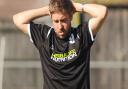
{"type": "Point", "coordinates": [64, 50]}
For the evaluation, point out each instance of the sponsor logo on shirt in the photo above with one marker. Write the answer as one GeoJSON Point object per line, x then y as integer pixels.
{"type": "Point", "coordinates": [58, 57]}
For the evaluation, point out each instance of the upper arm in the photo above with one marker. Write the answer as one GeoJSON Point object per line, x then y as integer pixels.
{"type": "Point", "coordinates": [22, 26]}
{"type": "Point", "coordinates": [96, 22]}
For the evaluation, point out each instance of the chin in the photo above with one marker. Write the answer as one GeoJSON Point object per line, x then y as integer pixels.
{"type": "Point", "coordinates": [62, 37]}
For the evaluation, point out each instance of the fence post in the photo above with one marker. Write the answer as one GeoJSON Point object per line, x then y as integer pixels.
{"type": "Point", "coordinates": [2, 54]}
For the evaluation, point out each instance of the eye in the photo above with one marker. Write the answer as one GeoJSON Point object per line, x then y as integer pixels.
{"type": "Point", "coordinates": [56, 21]}
{"type": "Point", "coordinates": [64, 20]}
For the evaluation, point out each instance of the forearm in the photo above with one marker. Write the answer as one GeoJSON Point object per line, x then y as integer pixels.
{"type": "Point", "coordinates": [94, 10]}
{"type": "Point", "coordinates": [27, 16]}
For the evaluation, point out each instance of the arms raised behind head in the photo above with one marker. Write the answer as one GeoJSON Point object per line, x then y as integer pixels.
{"type": "Point", "coordinates": [97, 12]}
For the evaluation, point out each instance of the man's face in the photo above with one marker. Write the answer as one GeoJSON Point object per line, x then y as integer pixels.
{"type": "Point", "coordinates": [61, 23]}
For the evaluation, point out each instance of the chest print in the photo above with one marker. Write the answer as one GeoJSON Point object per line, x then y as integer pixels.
{"type": "Point", "coordinates": [62, 57]}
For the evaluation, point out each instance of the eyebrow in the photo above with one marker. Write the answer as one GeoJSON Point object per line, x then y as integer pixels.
{"type": "Point", "coordinates": [60, 19]}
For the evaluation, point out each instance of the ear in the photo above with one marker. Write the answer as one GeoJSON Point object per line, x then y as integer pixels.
{"type": "Point", "coordinates": [71, 16]}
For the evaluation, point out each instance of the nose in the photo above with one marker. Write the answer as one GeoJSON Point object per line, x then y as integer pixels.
{"type": "Point", "coordinates": [60, 25]}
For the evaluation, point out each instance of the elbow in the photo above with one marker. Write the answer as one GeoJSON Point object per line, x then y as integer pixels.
{"type": "Point", "coordinates": [104, 12]}
{"type": "Point", "coordinates": [15, 19]}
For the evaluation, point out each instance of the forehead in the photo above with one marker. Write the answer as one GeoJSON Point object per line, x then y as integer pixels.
{"type": "Point", "coordinates": [60, 15]}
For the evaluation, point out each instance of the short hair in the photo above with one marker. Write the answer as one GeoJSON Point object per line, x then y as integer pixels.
{"type": "Point", "coordinates": [61, 6]}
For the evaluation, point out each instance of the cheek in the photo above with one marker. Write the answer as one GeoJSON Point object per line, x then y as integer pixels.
{"type": "Point", "coordinates": [67, 26]}
{"type": "Point", "coordinates": [55, 26]}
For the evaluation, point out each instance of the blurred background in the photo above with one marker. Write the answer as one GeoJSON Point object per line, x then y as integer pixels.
{"type": "Point", "coordinates": [20, 66]}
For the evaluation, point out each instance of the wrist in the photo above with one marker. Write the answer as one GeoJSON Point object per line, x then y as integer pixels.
{"type": "Point", "coordinates": [82, 8]}
{"type": "Point", "coordinates": [79, 7]}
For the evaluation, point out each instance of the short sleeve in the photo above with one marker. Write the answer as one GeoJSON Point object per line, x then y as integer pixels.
{"type": "Point", "coordinates": [86, 34]}
{"type": "Point", "coordinates": [37, 33]}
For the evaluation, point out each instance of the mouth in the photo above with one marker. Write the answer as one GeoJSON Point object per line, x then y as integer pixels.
{"type": "Point", "coordinates": [61, 34]}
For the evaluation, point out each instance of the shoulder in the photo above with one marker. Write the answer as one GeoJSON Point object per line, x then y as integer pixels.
{"type": "Point", "coordinates": [84, 30]}
{"type": "Point", "coordinates": [82, 27]}
{"type": "Point", "coordinates": [38, 31]}
{"type": "Point", "coordinates": [38, 27]}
